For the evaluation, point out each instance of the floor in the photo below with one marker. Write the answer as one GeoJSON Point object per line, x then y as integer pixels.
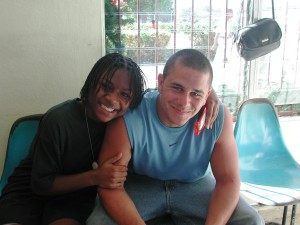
{"type": "Point", "coordinates": [273, 215]}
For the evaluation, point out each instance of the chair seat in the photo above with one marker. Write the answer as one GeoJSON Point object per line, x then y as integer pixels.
{"type": "Point", "coordinates": [271, 196]}
{"type": "Point", "coordinates": [288, 178]}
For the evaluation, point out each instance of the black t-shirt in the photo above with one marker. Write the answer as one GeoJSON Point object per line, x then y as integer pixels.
{"type": "Point", "coordinates": [61, 147]}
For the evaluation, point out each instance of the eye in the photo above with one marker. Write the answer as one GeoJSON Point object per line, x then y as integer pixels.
{"type": "Point", "coordinates": [198, 95]}
{"type": "Point", "coordinates": [126, 95]}
{"type": "Point", "coordinates": [105, 86]}
{"type": "Point", "coordinates": [177, 88]}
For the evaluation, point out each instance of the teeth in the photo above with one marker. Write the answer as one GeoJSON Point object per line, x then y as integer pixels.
{"type": "Point", "coordinates": [106, 108]}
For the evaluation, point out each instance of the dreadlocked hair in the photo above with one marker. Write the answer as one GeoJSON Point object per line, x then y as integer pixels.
{"type": "Point", "coordinates": [105, 68]}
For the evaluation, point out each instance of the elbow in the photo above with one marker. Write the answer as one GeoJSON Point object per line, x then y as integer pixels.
{"type": "Point", "coordinates": [231, 182]}
{"type": "Point", "coordinates": [38, 191]}
{"type": "Point", "coordinates": [39, 187]}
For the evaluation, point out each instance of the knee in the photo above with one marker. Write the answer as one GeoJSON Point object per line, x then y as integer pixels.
{"type": "Point", "coordinates": [255, 219]}
{"type": "Point", "coordinates": [246, 215]}
{"type": "Point", "coordinates": [251, 217]}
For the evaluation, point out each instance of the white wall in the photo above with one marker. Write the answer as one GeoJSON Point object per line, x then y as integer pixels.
{"type": "Point", "coordinates": [47, 49]}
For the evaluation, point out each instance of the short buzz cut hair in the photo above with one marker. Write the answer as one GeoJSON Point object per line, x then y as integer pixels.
{"type": "Point", "coordinates": [191, 58]}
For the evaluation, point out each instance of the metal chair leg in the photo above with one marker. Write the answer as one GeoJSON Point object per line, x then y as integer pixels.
{"type": "Point", "coordinates": [284, 215]}
{"type": "Point", "coordinates": [293, 216]}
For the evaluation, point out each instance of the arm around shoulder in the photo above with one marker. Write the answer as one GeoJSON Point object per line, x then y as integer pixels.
{"type": "Point", "coordinates": [212, 109]}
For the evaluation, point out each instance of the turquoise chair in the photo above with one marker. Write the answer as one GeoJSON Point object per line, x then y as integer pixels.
{"type": "Point", "coordinates": [269, 174]}
{"type": "Point", "coordinates": [20, 138]}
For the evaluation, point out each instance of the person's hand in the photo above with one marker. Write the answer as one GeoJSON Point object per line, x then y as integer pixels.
{"type": "Point", "coordinates": [212, 109]}
{"type": "Point", "coordinates": [109, 175]}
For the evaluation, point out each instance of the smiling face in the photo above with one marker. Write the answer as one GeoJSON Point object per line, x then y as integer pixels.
{"type": "Point", "coordinates": [111, 98]}
{"type": "Point", "coordinates": [182, 94]}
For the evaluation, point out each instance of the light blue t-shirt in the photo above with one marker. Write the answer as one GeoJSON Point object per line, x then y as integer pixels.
{"type": "Point", "coordinates": [166, 153]}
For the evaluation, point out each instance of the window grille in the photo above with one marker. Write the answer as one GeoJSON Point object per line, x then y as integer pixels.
{"type": "Point", "coordinates": [149, 31]}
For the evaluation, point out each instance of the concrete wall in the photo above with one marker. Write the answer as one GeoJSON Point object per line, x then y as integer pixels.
{"type": "Point", "coordinates": [47, 48]}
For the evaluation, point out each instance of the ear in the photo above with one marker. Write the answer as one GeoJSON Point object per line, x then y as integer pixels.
{"type": "Point", "coordinates": [160, 82]}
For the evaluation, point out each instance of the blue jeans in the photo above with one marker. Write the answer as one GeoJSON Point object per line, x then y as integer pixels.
{"type": "Point", "coordinates": [187, 203]}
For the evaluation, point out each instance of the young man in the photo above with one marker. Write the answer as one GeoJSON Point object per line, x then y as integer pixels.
{"type": "Point", "coordinates": [172, 158]}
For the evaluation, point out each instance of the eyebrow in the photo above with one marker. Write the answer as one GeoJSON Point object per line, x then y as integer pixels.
{"type": "Point", "coordinates": [179, 85]}
{"type": "Point", "coordinates": [111, 84]}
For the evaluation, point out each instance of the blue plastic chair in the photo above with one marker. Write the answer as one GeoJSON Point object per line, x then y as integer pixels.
{"type": "Point", "coordinates": [20, 138]}
{"type": "Point", "coordinates": [269, 174]}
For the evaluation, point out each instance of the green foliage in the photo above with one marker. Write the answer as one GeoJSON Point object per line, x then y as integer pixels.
{"type": "Point", "coordinates": [202, 38]}
{"type": "Point", "coordinates": [112, 26]}
{"type": "Point", "coordinates": [116, 22]}
{"type": "Point", "coordinates": [150, 5]}
{"type": "Point", "coordinates": [148, 45]}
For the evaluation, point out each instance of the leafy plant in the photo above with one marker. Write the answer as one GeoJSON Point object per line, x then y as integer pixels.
{"type": "Point", "coordinates": [117, 18]}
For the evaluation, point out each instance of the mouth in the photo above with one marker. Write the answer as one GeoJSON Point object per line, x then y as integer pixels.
{"type": "Point", "coordinates": [108, 109]}
{"type": "Point", "coordinates": [180, 111]}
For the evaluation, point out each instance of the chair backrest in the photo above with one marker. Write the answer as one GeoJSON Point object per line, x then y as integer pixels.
{"type": "Point", "coordinates": [20, 138]}
{"type": "Point", "coordinates": [263, 156]}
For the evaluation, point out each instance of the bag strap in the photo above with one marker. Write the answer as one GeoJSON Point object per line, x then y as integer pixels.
{"type": "Point", "coordinates": [273, 11]}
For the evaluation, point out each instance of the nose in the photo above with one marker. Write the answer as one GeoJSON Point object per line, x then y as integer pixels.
{"type": "Point", "coordinates": [112, 96]}
{"type": "Point", "coordinates": [184, 99]}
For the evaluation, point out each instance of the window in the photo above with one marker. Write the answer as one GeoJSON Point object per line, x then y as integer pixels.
{"type": "Point", "coordinates": [276, 75]}
{"type": "Point", "coordinates": [149, 31]}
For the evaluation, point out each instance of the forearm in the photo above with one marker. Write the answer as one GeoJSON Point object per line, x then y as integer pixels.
{"type": "Point", "coordinates": [68, 183]}
{"type": "Point", "coordinates": [120, 207]}
{"type": "Point", "coordinates": [223, 202]}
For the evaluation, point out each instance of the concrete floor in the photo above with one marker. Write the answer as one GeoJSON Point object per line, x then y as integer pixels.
{"type": "Point", "coordinates": [273, 215]}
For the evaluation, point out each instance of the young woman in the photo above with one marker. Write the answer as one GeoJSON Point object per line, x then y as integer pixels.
{"type": "Point", "coordinates": [55, 183]}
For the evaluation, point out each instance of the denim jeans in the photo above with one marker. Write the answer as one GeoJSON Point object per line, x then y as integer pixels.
{"type": "Point", "coordinates": [186, 203]}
